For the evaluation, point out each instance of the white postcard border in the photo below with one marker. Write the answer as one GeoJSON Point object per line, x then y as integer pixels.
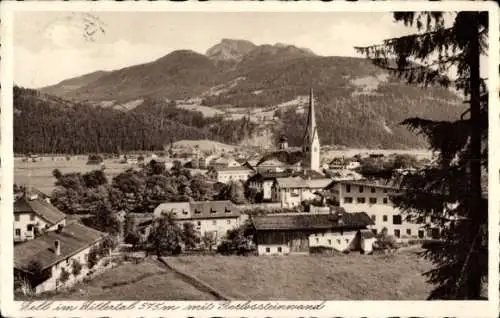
{"type": "Point", "coordinates": [488, 308]}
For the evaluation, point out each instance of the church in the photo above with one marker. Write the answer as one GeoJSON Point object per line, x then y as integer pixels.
{"type": "Point", "coordinates": [293, 175]}
{"type": "Point", "coordinates": [294, 159]}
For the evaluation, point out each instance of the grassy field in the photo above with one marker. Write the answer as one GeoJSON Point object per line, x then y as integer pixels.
{"type": "Point", "coordinates": [349, 277]}
{"type": "Point", "coordinates": [39, 174]}
{"type": "Point", "coordinates": [149, 280]}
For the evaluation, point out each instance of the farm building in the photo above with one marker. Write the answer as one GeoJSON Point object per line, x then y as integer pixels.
{"type": "Point", "coordinates": [226, 175]}
{"type": "Point", "coordinates": [282, 234]}
{"type": "Point", "coordinates": [55, 252]}
{"type": "Point", "coordinates": [212, 218]}
{"type": "Point", "coordinates": [34, 213]}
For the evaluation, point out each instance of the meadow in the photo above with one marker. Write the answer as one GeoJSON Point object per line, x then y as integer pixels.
{"type": "Point", "coordinates": [148, 280]}
{"type": "Point", "coordinates": [298, 277]}
{"type": "Point", "coordinates": [310, 277]}
{"type": "Point", "coordinates": [39, 174]}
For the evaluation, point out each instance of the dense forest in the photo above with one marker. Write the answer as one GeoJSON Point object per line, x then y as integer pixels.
{"type": "Point", "coordinates": [48, 124]}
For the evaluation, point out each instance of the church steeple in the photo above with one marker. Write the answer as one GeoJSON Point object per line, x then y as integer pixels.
{"type": "Point", "coordinates": [311, 138]}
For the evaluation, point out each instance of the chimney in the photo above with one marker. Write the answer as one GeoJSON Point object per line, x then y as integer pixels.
{"type": "Point", "coordinates": [57, 247]}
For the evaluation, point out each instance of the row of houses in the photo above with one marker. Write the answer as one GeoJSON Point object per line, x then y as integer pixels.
{"type": "Point", "coordinates": [47, 244]}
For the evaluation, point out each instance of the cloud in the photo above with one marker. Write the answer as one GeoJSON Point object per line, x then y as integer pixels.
{"type": "Point", "coordinates": [54, 64]}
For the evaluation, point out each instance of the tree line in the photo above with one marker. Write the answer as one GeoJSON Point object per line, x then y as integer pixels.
{"type": "Point", "coordinates": [48, 124]}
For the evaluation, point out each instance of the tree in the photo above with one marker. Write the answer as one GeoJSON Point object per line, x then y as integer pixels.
{"type": "Point", "coordinates": [450, 191]}
{"type": "Point", "coordinates": [385, 241]}
{"type": "Point", "coordinates": [76, 268]}
{"type": "Point", "coordinates": [165, 236]}
{"type": "Point", "coordinates": [64, 276]}
{"type": "Point", "coordinates": [189, 235]}
{"type": "Point", "coordinates": [132, 238]}
{"type": "Point", "coordinates": [237, 241]}
{"type": "Point", "coordinates": [208, 240]}
{"type": "Point", "coordinates": [92, 257]}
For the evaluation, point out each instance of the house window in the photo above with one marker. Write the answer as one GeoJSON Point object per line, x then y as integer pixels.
{"type": "Point", "coordinates": [338, 241]}
{"type": "Point", "coordinates": [408, 231]}
{"type": "Point", "coordinates": [347, 240]}
{"type": "Point", "coordinates": [329, 242]}
{"type": "Point", "coordinates": [29, 227]}
{"type": "Point", "coordinates": [397, 233]}
{"type": "Point", "coordinates": [421, 233]}
{"type": "Point", "coordinates": [361, 200]}
{"type": "Point", "coordinates": [348, 188]}
{"type": "Point", "coordinates": [214, 222]}
{"type": "Point", "coordinates": [385, 190]}
{"type": "Point", "coordinates": [212, 211]}
{"type": "Point", "coordinates": [228, 210]}
{"type": "Point", "coordinates": [18, 232]}
{"type": "Point", "coordinates": [384, 218]}
{"type": "Point", "coordinates": [385, 200]}
{"type": "Point", "coordinates": [184, 212]}
{"type": "Point", "coordinates": [228, 221]}
{"type": "Point", "coordinates": [16, 217]}
{"type": "Point", "coordinates": [279, 249]}
{"type": "Point", "coordinates": [268, 250]}
{"type": "Point", "coordinates": [374, 217]}
{"type": "Point", "coordinates": [373, 200]}
{"type": "Point", "coordinates": [361, 189]}
{"type": "Point", "coordinates": [420, 219]}
{"type": "Point", "coordinates": [198, 223]}
{"type": "Point", "coordinates": [347, 200]}
{"type": "Point", "coordinates": [317, 240]}
{"type": "Point", "coordinates": [373, 190]}
{"type": "Point", "coordinates": [32, 217]}
{"type": "Point", "coordinates": [374, 231]}
{"type": "Point", "coordinates": [396, 219]}
{"type": "Point", "coordinates": [197, 211]}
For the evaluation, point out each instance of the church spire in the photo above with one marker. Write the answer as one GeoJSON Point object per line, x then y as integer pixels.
{"type": "Point", "coordinates": [311, 120]}
{"type": "Point", "coordinates": [311, 129]}
{"type": "Point", "coordinates": [311, 139]}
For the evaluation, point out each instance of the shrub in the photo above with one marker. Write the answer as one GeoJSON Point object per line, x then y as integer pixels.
{"type": "Point", "coordinates": [93, 257]}
{"type": "Point", "coordinates": [76, 268]}
{"type": "Point", "coordinates": [132, 238]}
{"type": "Point", "coordinates": [63, 278]}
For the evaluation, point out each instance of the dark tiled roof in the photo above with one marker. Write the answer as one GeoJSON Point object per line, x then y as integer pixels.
{"type": "Point", "coordinates": [73, 238]}
{"type": "Point", "coordinates": [213, 209]}
{"type": "Point", "coordinates": [311, 221]}
{"type": "Point", "coordinates": [40, 207]}
{"type": "Point", "coordinates": [271, 175]}
{"type": "Point", "coordinates": [285, 156]}
{"type": "Point", "coordinates": [246, 169]}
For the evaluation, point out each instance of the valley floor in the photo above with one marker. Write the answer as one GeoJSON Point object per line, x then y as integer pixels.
{"type": "Point", "coordinates": [304, 277]}
{"type": "Point", "coordinates": [309, 277]}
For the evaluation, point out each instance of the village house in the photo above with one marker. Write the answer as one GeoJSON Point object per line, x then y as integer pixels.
{"type": "Point", "coordinates": [34, 214]}
{"type": "Point", "coordinates": [223, 162]}
{"type": "Point", "coordinates": [344, 163]}
{"type": "Point", "coordinates": [263, 182]}
{"type": "Point", "coordinates": [374, 198]}
{"type": "Point", "coordinates": [226, 175]}
{"type": "Point", "coordinates": [292, 191]}
{"type": "Point", "coordinates": [213, 218]}
{"type": "Point", "coordinates": [283, 234]}
{"type": "Point", "coordinates": [55, 252]}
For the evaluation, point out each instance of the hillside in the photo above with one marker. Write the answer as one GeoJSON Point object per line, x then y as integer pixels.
{"type": "Point", "coordinates": [48, 124]}
{"type": "Point", "coordinates": [73, 83]}
{"type": "Point", "coordinates": [359, 104]}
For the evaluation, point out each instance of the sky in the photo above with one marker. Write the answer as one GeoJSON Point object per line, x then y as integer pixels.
{"type": "Point", "coordinates": [52, 46]}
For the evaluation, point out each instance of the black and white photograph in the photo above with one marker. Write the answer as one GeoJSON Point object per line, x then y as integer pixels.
{"type": "Point", "coordinates": [249, 155]}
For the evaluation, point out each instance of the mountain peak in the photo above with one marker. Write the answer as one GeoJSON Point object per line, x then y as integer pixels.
{"type": "Point", "coordinates": [230, 50]}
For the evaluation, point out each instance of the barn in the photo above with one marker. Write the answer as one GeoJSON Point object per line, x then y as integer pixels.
{"type": "Point", "coordinates": [297, 233]}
